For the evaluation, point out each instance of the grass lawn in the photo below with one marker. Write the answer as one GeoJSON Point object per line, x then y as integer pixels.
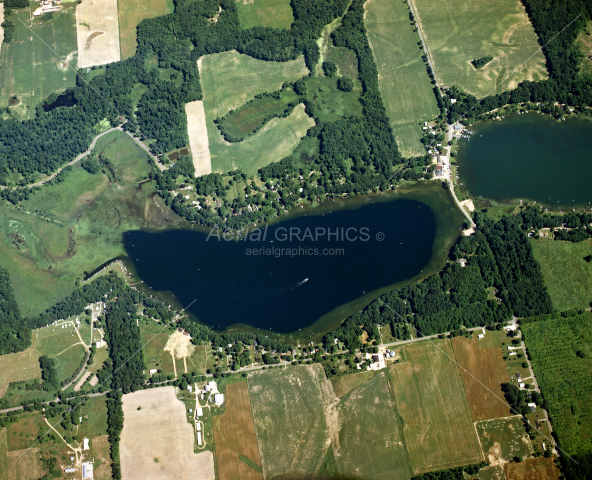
{"type": "Point", "coordinates": [561, 355]}
{"type": "Point", "coordinates": [403, 80]}
{"type": "Point", "coordinates": [503, 439]}
{"type": "Point", "coordinates": [70, 228]}
{"type": "Point", "coordinates": [430, 398]}
{"type": "Point", "coordinates": [460, 31]}
{"type": "Point", "coordinates": [265, 13]}
{"type": "Point", "coordinates": [371, 435]}
{"type": "Point", "coordinates": [131, 13]}
{"type": "Point", "coordinates": [288, 412]}
{"type": "Point", "coordinates": [29, 69]}
{"type": "Point", "coordinates": [154, 339]}
{"type": "Point", "coordinates": [94, 418]}
{"type": "Point", "coordinates": [567, 275]}
{"type": "Point", "coordinates": [229, 80]}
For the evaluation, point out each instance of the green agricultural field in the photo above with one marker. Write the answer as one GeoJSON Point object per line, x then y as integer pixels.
{"type": "Point", "coordinates": [403, 80]}
{"type": "Point", "coordinates": [288, 412]}
{"type": "Point", "coordinates": [503, 439]}
{"type": "Point", "coordinates": [430, 398]}
{"type": "Point", "coordinates": [29, 69]}
{"type": "Point", "coordinates": [230, 80]}
{"type": "Point", "coordinates": [371, 435]}
{"type": "Point", "coordinates": [561, 353]}
{"type": "Point", "coordinates": [460, 31]}
{"type": "Point", "coordinates": [567, 275]}
{"type": "Point", "coordinates": [131, 13]}
{"type": "Point", "coordinates": [66, 229]}
{"type": "Point", "coordinates": [265, 13]}
{"type": "Point", "coordinates": [584, 42]}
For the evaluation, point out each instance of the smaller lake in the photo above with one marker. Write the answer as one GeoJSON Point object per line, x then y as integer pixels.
{"type": "Point", "coordinates": [529, 157]}
{"type": "Point", "coordinates": [64, 100]}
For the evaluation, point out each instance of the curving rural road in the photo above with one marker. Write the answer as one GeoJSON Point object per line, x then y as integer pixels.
{"type": "Point", "coordinates": [90, 148]}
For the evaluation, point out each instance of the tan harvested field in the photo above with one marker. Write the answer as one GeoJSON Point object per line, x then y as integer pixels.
{"type": "Point", "coordinates": [18, 366]}
{"type": "Point", "coordinates": [82, 380]}
{"type": "Point", "coordinates": [101, 450]}
{"type": "Point", "coordinates": [24, 464]}
{"type": "Point", "coordinates": [431, 400]}
{"type": "Point", "coordinates": [157, 442]}
{"type": "Point", "coordinates": [346, 383]}
{"type": "Point", "coordinates": [370, 440]}
{"type": "Point", "coordinates": [234, 436]}
{"type": "Point", "coordinates": [532, 469]}
{"type": "Point", "coordinates": [460, 31]}
{"type": "Point", "coordinates": [483, 371]}
{"type": "Point", "coordinates": [3, 455]}
{"type": "Point", "coordinates": [198, 138]}
{"type": "Point", "coordinates": [97, 32]}
{"type": "Point", "coordinates": [289, 412]}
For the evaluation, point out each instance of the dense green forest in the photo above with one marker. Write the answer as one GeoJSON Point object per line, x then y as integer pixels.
{"type": "Point", "coordinates": [457, 473]}
{"type": "Point", "coordinates": [481, 62]}
{"type": "Point", "coordinates": [497, 255]}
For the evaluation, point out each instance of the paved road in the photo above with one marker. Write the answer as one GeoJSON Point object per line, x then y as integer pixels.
{"type": "Point", "coordinates": [90, 148]}
{"type": "Point", "coordinates": [425, 46]}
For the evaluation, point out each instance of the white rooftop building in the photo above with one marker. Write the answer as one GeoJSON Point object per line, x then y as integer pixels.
{"type": "Point", "coordinates": [219, 399]}
{"type": "Point", "coordinates": [85, 444]}
{"type": "Point", "coordinates": [199, 412]}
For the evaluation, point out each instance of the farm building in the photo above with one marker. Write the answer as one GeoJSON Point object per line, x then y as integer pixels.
{"type": "Point", "coordinates": [87, 471]}
{"type": "Point", "coordinates": [85, 444]}
{"type": "Point", "coordinates": [153, 371]}
{"type": "Point", "coordinates": [69, 470]}
{"type": "Point", "coordinates": [199, 412]}
{"type": "Point", "coordinates": [199, 438]}
{"type": "Point", "coordinates": [219, 398]}
{"type": "Point", "coordinates": [480, 336]}
{"type": "Point", "coordinates": [198, 426]}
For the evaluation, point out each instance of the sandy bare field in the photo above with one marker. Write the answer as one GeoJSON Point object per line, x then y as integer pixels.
{"type": "Point", "coordinates": [81, 381]}
{"type": "Point", "coordinates": [157, 442]}
{"type": "Point", "coordinates": [97, 31]}
{"type": "Point", "coordinates": [198, 138]}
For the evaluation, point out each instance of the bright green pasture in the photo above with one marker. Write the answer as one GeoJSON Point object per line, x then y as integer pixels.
{"type": "Point", "coordinates": [567, 275]}
{"type": "Point", "coordinates": [403, 79]}
{"type": "Point", "coordinates": [265, 13]}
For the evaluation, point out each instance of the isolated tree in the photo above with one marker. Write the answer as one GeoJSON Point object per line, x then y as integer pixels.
{"type": "Point", "coordinates": [329, 68]}
{"type": "Point", "coordinates": [345, 84]}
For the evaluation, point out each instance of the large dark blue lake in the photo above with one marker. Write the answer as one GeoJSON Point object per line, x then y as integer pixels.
{"type": "Point", "coordinates": [529, 157]}
{"type": "Point", "coordinates": [319, 264]}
